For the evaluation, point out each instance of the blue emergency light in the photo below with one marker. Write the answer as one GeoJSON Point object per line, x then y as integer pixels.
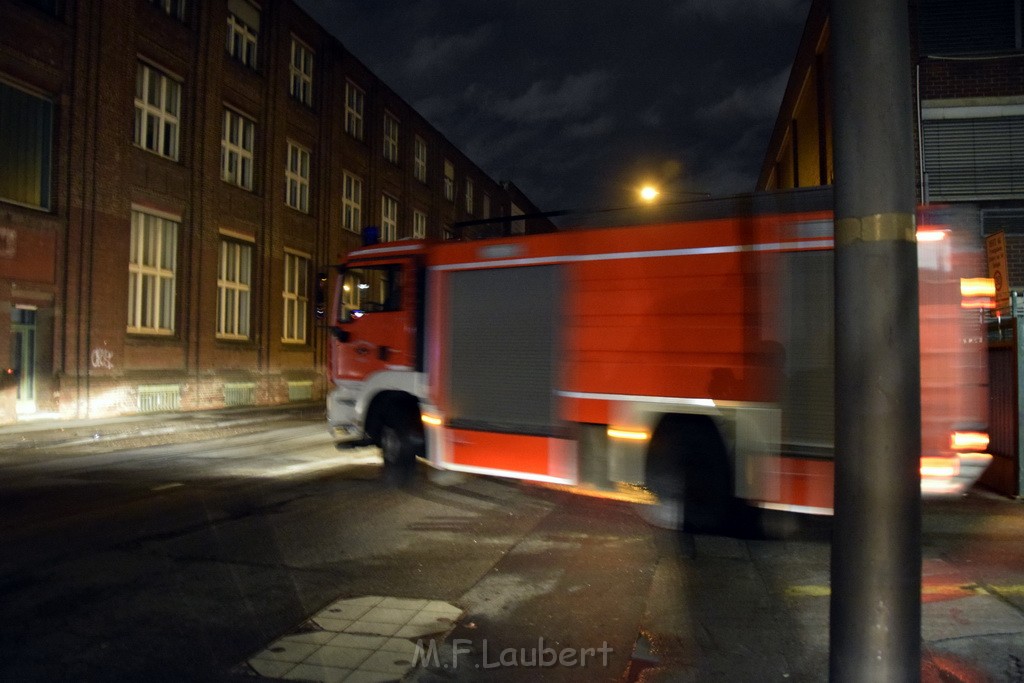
{"type": "Point", "coordinates": [371, 235]}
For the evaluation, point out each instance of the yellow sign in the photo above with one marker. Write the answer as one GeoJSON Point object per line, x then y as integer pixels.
{"type": "Point", "coordinates": [995, 247]}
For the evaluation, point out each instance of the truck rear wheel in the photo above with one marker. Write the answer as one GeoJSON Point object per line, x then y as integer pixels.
{"type": "Point", "coordinates": [688, 470]}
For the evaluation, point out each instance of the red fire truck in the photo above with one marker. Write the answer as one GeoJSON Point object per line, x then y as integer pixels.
{"type": "Point", "coordinates": [686, 360]}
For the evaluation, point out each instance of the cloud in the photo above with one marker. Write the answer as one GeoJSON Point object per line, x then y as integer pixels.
{"type": "Point", "coordinates": [590, 129]}
{"type": "Point", "coordinates": [440, 52]}
{"type": "Point", "coordinates": [436, 107]}
{"type": "Point", "coordinates": [527, 89]}
{"type": "Point", "coordinates": [750, 101]}
{"type": "Point", "coordinates": [545, 100]}
{"type": "Point", "coordinates": [731, 165]}
{"type": "Point", "coordinates": [651, 117]}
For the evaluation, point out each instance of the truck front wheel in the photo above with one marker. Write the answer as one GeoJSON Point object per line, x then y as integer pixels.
{"type": "Point", "coordinates": [398, 445]}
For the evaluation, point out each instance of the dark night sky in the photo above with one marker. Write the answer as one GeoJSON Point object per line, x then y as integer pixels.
{"type": "Point", "coordinates": [577, 102]}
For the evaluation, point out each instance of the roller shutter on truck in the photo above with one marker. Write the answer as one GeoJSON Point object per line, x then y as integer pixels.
{"type": "Point", "coordinates": [807, 327]}
{"type": "Point", "coordinates": [504, 335]}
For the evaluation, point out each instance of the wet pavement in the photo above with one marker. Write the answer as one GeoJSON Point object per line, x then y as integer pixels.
{"type": "Point", "coordinates": [676, 607]}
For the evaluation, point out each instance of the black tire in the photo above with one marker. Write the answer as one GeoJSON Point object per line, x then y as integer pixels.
{"type": "Point", "coordinates": [398, 445]}
{"type": "Point", "coordinates": [688, 470]}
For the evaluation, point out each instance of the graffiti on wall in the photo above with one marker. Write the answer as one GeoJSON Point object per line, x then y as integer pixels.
{"type": "Point", "coordinates": [102, 358]}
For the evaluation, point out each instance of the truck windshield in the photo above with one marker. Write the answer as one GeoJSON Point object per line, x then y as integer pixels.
{"type": "Point", "coordinates": [369, 289]}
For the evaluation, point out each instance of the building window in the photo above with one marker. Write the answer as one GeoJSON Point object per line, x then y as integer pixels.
{"type": "Point", "coordinates": [236, 149]}
{"type": "Point", "coordinates": [157, 108]}
{"type": "Point", "coordinates": [486, 206]}
{"type": "Point", "coordinates": [352, 202]}
{"type": "Point", "coordinates": [419, 169]}
{"type": "Point", "coordinates": [351, 295]}
{"type": "Point", "coordinates": [234, 279]}
{"type": "Point", "coordinates": [296, 175]}
{"type": "Point", "coordinates": [173, 8]}
{"type": "Point", "coordinates": [973, 151]}
{"type": "Point", "coordinates": [153, 250]}
{"type": "Point", "coordinates": [26, 141]}
{"type": "Point", "coordinates": [388, 219]}
{"type": "Point", "coordinates": [296, 297]}
{"type": "Point", "coordinates": [301, 84]}
{"type": "Point", "coordinates": [469, 196]}
{"type": "Point", "coordinates": [390, 137]}
{"type": "Point", "coordinates": [243, 31]}
{"type": "Point", "coordinates": [955, 27]}
{"type": "Point", "coordinates": [354, 103]}
{"type": "Point", "coordinates": [449, 181]}
{"type": "Point", "coordinates": [419, 224]}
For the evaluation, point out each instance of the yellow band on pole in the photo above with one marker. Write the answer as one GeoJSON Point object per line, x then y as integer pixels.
{"type": "Point", "coordinates": [881, 227]}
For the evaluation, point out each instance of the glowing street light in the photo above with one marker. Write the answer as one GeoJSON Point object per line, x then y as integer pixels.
{"type": "Point", "coordinates": [649, 193]}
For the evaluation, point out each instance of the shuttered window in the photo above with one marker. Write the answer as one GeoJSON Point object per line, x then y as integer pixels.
{"type": "Point", "coordinates": [971, 154]}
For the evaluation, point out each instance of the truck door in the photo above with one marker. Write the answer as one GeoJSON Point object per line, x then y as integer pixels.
{"type": "Point", "coordinates": [375, 315]}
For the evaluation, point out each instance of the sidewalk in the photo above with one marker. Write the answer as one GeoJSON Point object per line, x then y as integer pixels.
{"type": "Point", "coordinates": [35, 434]}
{"type": "Point", "coordinates": [775, 625]}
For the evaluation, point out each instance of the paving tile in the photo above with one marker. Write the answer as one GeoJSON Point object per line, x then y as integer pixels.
{"type": "Point", "coordinates": [424, 624]}
{"type": "Point", "coordinates": [330, 624]}
{"type": "Point", "coordinates": [399, 646]}
{"type": "Point", "coordinates": [373, 628]}
{"type": "Point", "coordinates": [390, 615]}
{"type": "Point", "coordinates": [368, 600]}
{"type": "Point", "coordinates": [358, 641]}
{"type": "Point", "coordinates": [414, 631]}
{"type": "Point", "coordinates": [387, 662]}
{"type": "Point", "coordinates": [338, 657]}
{"type": "Point", "coordinates": [312, 637]}
{"type": "Point", "coordinates": [285, 651]}
{"type": "Point", "coordinates": [404, 603]}
{"type": "Point", "coordinates": [270, 668]}
{"type": "Point", "coordinates": [344, 609]}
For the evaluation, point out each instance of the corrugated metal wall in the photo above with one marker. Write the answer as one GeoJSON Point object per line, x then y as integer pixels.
{"type": "Point", "coordinates": [807, 330]}
{"type": "Point", "coordinates": [504, 335]}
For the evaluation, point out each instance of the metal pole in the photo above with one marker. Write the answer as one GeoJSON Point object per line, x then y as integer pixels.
{"type": "Point", "coordinates": [875, 629]}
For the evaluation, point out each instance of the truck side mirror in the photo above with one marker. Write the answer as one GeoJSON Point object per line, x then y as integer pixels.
{"type": "Point", "coordinates": [320, 296]}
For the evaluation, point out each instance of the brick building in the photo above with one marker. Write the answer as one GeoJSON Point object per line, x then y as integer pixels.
{"type": "Point", "coordinates": [969, 102]}
{"type": "Point", "coordinates": [174, 174]}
